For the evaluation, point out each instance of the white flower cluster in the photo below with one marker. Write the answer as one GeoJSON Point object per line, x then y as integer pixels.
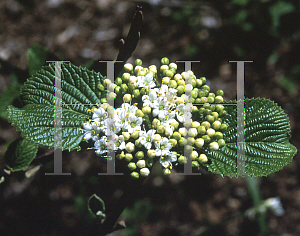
{"type": "Point", "coordinates": [154, 124]}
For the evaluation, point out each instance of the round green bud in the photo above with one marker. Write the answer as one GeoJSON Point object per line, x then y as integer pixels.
{"type": "Point", "coordinates": [181, 82]}
{"type": "Point", "coordinates": [183, 131]}
{"type": "Point", "coordinates": [219, 119]}
{"type": "Point", "coordinates": [136, 93]}
{"type": "Point", "coordinates": [151, 153]}
{"type": "Point", "coordinates": [135, 134]}
{"type": "Point", "coordinates": [111, 96]}
{"type": "Point", "coordinates": [140, 73]}
{"type": "Point", "coordinates": [219, 108]}
{"type": "Point", "coordinates": [166, 171]}
{"type": "Point", "coordinates": [211, 95]}
{"type": "Point", "coordinates": [220, 93]}
{"type": "Point", "coordinates": [124, 87]}
{"type": "Point", "coordinates": [168, 73]}
{"type": "Point", "coordinates": [202, 159]}
{"type": "Point", "coordinates": [173, 142]}
{"type": "Point", "coordinates": [216, 125]}
{"type": "Point", "coordinates": [141, 164]}
{"type": "Point", "coordinates": [103, 100]}
{"type": "Point", "coordinates": [117, 90]}
{"type": "Point", "coordinates": [188, 148]}
{"type": "Point", "coordinates": [163, 68]}
{"type": "Point", "coordinates": [165, 61]}
{"type": "Point", "coordinates": [182, 160]}
{"type": "Point", "coordinates": [146, 110]}
{"type": "Point", "coordinates": [182, 141]}
{"type": "Point", "coordinates": [177, 77]}
{"type": "Point", "coordinates": [135, 175]}
{"type": "Point", "coordinates": [204, 100]}
{"type": "Point", "coordinates": [160, 129]}
{"type": "Point", "coordinates": [166, 80]}
{"type": "Point", "coordinates": [127, 98]}
{"type": "Point", "coordinates": [207, 111]}
{"type": "Point", "coordinates": [198, 83]}
{"type": "Point", "coordinates": [192, 132]}
{"type": "Point", "coordinates": [157, 138]}
{"type": "Point", "coordinates": [195, 124]}
{"type": "Point", "coordinates": [173, 83]}
{"type": "Point", "coordinates": [210, 118]}
{"type": "Point", "coordinates": [120, 156]}
{"type": "Point", "coordinates": [131, 166]}
{"type": "Point", "coordinates": [201, 93]}
{"type": "Point", "coordinates": [137, 69]}
{"type": "Point", "coordinates": [212, 107]}
{"type": "Point", "coordinates": [214, 146]}
{"type": "Point", "coordinates": [210, 100]}
{"type": "Point", "coordinates": [194, 109]}
{"type": "Point", "coordinates": [218, 135]}
{"type": "Point", "coordinates": [138, 62]}
{"type": "Point", "coordinates": [219, 99]}
{"type": "Point", "coordinates": [139, 113]}
{"type": "Point", "coordinates": [193, 82]}
{"type": "Point", "coordinates": [129, 147]}
{"type": "Point", "coordinates": [195, 164]}
{"type": "Point", "coordinates": [222, 113]}
{"type": "Point", "coordinates": [199, 142]}
{"type": "Point", "coordinates": [176, 135]}
{"type": "Point", "coordinates": [210, 132]}
{"type": "Point", "coordinates": [190, 141]}
{"type": "Point", "coordinates": [203, 79]}
{"type": "Point", "coordinates": [155, 123]}
{"type": "Point", "coordinates": [126, 135]}
{"type": "Point", "coordinates": [221, 143]}
{"type": "Point", "coordinates": [202, 109]}
{"type": "Point", "coordinates": [106, 82]}
{"type": "Point", "coordinates": [206, 138]}
{"type": "Point", "coordinates": [180, 89]}
{"type": "Point", "coordinates": [139, 155]}
{"type": "Point", "coordinates": [144, 172]}
{"type": "Point", "coordinates": [125, 77]}
{"type": "Point", "coordinates": [201, 130]}
{"type": "Point", "coordinates": [128, 157]}
{"type": "Point", "coordinates": [175, 124]}
{"type": "Point", "coordinates": [100, 87]}
{"type": "Point", "coordinates": [194, 94]}
{"type": "Point", "coordinates": [206, 124]}
{"type": "Point", "coordinates": [173, 65]}
{"type": "Point", "coordinates": [153, 69]}
{"type": "Point", "coordinates": [206, 87]}
{"type": "Point", "coordinates": [128, 67]}
{"type": "Point", "coordinates": [223, 127]}
{"type": "Point", "coordinates": [137, 143]}
{"type": "Point", "coordinates": [215, 115]}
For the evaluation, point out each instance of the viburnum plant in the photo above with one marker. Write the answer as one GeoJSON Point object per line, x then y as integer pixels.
{"type": "Point", "coordinates": [148, 120]}
{"type": "Point", "coordinates": [144, 115]}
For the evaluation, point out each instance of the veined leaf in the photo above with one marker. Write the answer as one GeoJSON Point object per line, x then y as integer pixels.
{"type": "Point", "coordinates": [36, 119]}
{"type": "Point", "coordinates": [266, 133]}
{"type": "Point", "coordinates": [20, 154]}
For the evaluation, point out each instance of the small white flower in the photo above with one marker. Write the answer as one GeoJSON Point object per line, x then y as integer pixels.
{"type": "Point", "coordinates": [91, 130]}
{"type": "Point", "coordinates": [162, 147]}
{"type": "Point", "coordinates": [146, 139]}
{"type": "Point", "coordinates": [133, 123]}
{"type": "Point", "coordinates": [151, 99]}
{"type": "Point", "coordinates": [146, 81]}
{"type": "Point", "coordinates": [166, 160]}
{"type": "Point", "coordinates": [101, 145]}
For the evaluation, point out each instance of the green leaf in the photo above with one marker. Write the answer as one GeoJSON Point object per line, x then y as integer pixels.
{"type": "Point", "coordinates": [96, 206]}
{"type": "Point", "coordinates": [7, 97]}
{"type": "Point", "coordinates": [36, 122]}
{"type": "Point", "coordinates": [266, 132]}
{"type": "Point", "coordinates": [36, 57]}
{"type": "Point", "coordinates": [20, 154]}
{"type": "Point", "coordinates": [36, 119]}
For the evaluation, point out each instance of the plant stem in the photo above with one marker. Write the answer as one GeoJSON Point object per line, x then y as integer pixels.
{"type": "Point", "coordinates": [129, 195]}
{"type": "Point", "coordinates": [256, 198]}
